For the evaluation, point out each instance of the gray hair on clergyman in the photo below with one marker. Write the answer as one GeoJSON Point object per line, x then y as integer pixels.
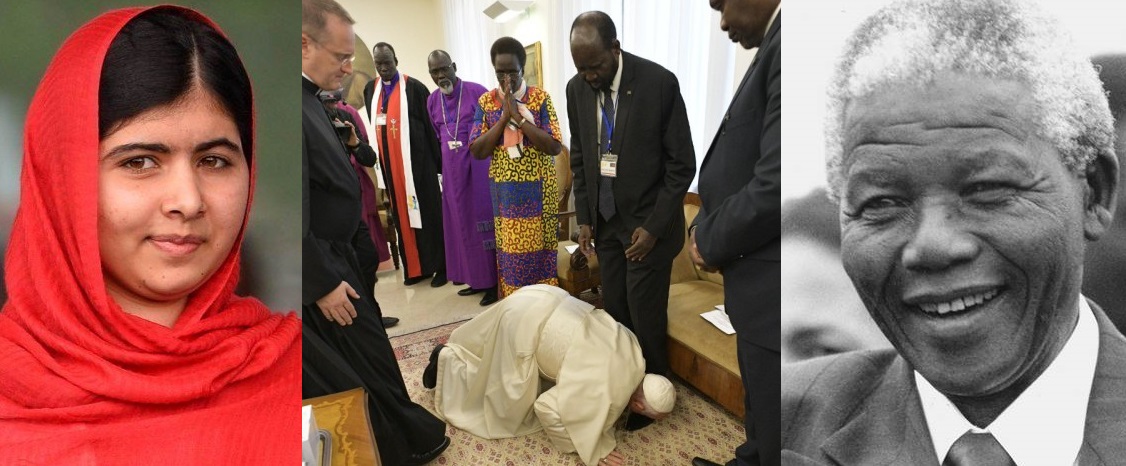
{"type": "Point", "coordinates": [910, 42]}
{"type": "Point", "coordinates": [314, 14]}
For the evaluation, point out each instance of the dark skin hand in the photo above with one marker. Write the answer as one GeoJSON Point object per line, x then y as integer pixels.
{"type": "Point", "coordinates": [482, 147]}
{"type": "Point", "coordinates": [643, 242]}
{"type": "Point", "coordinates": [353, 140]}
{"type": "Point", "coordinates": [696, 257]}
{"type": "Point", "coordinates": [585, 234]}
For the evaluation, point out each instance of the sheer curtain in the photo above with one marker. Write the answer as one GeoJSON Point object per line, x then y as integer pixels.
{"type": "Point", "coordinates": [469, 34]}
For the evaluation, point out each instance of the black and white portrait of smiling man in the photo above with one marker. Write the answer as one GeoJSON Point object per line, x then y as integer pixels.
{"type": "Point", "coordinates": [969, 147]}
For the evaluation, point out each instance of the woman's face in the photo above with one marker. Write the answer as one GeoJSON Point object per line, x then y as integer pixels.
{"type": "Point", "coordinates": [509, 73]}
{"type": "Point", "coordinates": [173, 186]}
{"type": "Point", "coordinates": [963, 231]}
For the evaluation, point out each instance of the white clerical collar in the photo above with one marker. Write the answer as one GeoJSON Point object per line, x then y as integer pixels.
{"type": "Point", "coordinates": [1045, 424]}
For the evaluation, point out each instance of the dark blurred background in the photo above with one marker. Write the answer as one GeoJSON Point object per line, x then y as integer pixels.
{"type": "Point", "coordinates": [265, 34]}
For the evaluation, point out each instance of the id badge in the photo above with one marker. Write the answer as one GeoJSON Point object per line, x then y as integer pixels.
{"type": "Point", "coordinates": [381, 120]}
{"type": "Point", "coordinates": [609, 165]}
{"type": "Point", "coordinates": [454, 145]}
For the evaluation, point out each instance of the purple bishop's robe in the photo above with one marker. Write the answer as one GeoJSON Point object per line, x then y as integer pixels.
{"type": "Point", "coordinates": [467, 208]}
{"type": "Point", "coordinates": [367, 189]}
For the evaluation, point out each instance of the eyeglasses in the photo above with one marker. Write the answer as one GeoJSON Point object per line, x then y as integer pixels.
{"type": "Point", "coordinates": [345, 58]}
{"type": "Point", "coordinates": [502, 74]}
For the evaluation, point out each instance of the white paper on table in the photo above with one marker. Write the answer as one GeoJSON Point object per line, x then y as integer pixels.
{"type": "Point", "coordinates": [720, 307]}
{"type": "Point", "coordinates": [571, 248]}
{"type": "Point", "coordinates": [719, 319]}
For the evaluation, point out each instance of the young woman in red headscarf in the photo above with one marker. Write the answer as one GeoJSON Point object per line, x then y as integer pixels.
{"type": "Point", "coordinates": [122, 341]}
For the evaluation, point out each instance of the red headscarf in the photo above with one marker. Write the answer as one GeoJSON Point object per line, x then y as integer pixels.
{"type": "Point", "coordinates": [83, 382]}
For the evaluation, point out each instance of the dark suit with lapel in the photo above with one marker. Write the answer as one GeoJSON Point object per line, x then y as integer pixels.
{"type": "Point", "coordinates": [862, 408]}
{"type": "Point", "coordinates": [338, 358]}
{"type": "Point", "coordinates": [656, 163]}
{"type": "Point", "coordinates": [738, 230]}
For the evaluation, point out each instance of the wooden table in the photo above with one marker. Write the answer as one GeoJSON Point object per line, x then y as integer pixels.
{"type": "Point", "coordinates": [345, 416]}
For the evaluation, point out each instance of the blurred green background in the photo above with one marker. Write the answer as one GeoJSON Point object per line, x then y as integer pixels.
{"type": "Point", "coordinates": [265, 34]}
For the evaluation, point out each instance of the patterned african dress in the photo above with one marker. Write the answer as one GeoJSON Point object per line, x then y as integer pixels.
{"type": "Point", "coordinates": [525, 197]}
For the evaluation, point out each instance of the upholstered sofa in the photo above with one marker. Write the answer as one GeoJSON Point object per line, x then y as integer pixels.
{"type": "Point", "coordinates": [699, 353]}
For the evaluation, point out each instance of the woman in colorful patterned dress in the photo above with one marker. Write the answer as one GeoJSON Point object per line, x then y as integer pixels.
{"type": "Point", "coordinates": [516, 125]}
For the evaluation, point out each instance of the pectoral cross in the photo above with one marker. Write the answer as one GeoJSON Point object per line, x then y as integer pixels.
{"type": "Point", "coordinates": [394, 130]}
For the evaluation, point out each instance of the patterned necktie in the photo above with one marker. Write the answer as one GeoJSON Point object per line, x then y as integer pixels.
{"type": "Point", "coordinates": [977, 450]}
{"type": "Point", "coordinates": [606, 204]}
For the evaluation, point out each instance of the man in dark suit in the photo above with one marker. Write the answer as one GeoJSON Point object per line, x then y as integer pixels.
{"type": "Point", "coordinates": [631, 152]}
{"type": "Point", "coordinates": [738, 228]}
{"type": "Point", "coordinates": [968, 200]}
{"type": "Point", "coordinates": [344, 342]}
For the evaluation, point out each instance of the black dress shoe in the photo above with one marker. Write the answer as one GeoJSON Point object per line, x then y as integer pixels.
{"type": "Point", "coordinates": [430, 374]}
{"type": "Point", "coordinates": [697, 461]}
{"type": "Point", "coordinates": [470, 291]}
{"type": "Point", "coordinates": [439, 280]}
{"type": "Point", "coordinates": [457, 283]}
{"type": "Point", "coordinates": [389, 322]}
{"type": "Point", "coordinates": [415, 280]}
{"type": "Point", "coordinates": [490, 296]}
{"type": "Point", "coordinates": [423, 458]}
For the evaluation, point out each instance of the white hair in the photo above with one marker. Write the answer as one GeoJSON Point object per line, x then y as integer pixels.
{"type": "Point", "coordinates": [912, 41]}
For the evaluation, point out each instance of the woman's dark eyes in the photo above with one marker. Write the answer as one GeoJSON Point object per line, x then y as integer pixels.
{"type": "Point", "coordinates": [214, 161]}
{"type": "Point", "coordinates": [139, 163]}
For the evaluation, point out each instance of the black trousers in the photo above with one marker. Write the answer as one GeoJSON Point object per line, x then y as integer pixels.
{"type": "Point", "coordinates": [337, 358]}
{"type": "Point", "coordinates": [636, 294]}
{"type": "Point", "coordinates": [368, 258]}
{"type": "Point", "coordinates": [751, 290]}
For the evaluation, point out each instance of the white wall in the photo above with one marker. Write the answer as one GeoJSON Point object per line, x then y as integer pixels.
{"type": "Point", "coordinates": [414, 28]}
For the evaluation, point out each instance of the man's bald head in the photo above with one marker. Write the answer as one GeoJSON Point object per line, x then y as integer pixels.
{"type": "Point", "coordinates": [594, 27]}
{"type": "Point", "coordinates": [443, 70]}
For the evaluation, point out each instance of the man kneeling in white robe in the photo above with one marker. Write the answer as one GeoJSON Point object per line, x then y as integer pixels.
{"type": "Point", "coordinates": [490, 379]}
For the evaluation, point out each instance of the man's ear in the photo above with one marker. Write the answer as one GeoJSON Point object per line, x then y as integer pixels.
{"type": "Point", "coordinates": [1102, 196]}
{"type": "Point", "coordinates": [636, 405]}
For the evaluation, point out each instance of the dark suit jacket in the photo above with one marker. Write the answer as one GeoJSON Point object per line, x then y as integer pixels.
{"type": "Point", "coordinates": [739, 224]}
{"type": "Point", "coordinates": [862, 408]}
{"type": "Point", "coordinates": [330, 201]}
{"type": "Point", "coordinates": [656, 161]}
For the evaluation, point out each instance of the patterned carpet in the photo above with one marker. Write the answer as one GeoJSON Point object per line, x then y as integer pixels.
{"type": "Point", "coordinates": [696, 427]}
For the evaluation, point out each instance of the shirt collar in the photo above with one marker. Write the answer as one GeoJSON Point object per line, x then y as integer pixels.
{"type": "Point", "coordinates": [1045, 424]}
{"type": "Point", "coordinates": [771, 22]}
{"type": "Point", "coordinates": [617, 76]}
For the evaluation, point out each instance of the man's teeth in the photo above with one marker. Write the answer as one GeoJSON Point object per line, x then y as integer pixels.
{"type": "Point", "coordinates": [958, 304]}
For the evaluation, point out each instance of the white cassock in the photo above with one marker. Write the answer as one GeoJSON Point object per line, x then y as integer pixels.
{"type": "Point", "coordinates": [489, 376]}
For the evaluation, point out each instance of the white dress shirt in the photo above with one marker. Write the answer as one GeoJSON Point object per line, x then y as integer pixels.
{"type": "Point", "coordinates": [613, 96]}
{"type": "Point", "coordinates": [1044, 425]}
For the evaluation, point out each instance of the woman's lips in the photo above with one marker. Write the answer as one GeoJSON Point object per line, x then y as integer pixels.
{"type": "Point", "coordinates": [177, 245]}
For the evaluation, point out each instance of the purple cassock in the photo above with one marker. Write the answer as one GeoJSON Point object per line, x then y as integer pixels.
{"type": "Point", "coordinates": [467, 207]}
{"type": "Point", "coordinates": [367, 190]}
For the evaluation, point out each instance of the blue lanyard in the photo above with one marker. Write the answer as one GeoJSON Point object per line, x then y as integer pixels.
{"type": "Point", "coordinates": [609, 124]}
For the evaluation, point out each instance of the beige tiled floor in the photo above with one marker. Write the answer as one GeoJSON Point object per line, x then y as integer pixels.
{"type": "Point", "coordinates": [422, 306]}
